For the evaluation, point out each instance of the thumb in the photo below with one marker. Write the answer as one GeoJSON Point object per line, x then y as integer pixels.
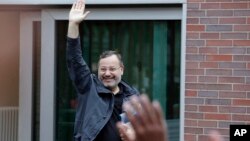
{"type": "Point", "coordinates": [123, 131]}
{"type": "Point", "coordinates": [85, 15]}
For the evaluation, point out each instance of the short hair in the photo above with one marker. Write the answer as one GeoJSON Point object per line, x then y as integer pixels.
{"type": "Point", "coordinates": [109, 53]}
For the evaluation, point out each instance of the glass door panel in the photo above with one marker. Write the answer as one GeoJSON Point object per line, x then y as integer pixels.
{"type": "Point", "coordinates": [151, 54]}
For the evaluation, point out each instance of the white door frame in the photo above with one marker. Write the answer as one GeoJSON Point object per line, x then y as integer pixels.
{"type": "Point", "coordinates": [26, 74]}
{"type": "Point", "coordinates": [49, 16]}
{"type": "Point", "coordinates": [47, 99]}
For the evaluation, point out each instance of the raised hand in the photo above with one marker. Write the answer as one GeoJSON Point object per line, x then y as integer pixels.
{"type": "Point", "coordinates": [77, 14]}
{"type": "Point", "coordinates": [148, 122]}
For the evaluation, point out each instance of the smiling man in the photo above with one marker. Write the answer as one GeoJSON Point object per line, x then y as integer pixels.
{"type": "Point", "coordinates": [99, 98]}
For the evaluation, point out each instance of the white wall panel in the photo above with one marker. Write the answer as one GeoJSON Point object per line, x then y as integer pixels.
{"type": "Point", "coordinates": [56, 2]}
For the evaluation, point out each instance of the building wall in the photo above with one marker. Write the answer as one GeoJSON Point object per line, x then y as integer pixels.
{"type": "Point", "coordinates": [217, 90]}
{"type": "Point", "coordinates": [9, 58]}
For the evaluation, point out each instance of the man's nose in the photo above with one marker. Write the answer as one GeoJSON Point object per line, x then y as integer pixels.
{"type": "Point", "coordinates": [107, 72]}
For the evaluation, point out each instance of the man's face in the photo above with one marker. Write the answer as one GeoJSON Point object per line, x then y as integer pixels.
{"type": "Point", "coordinates": [110, 71]}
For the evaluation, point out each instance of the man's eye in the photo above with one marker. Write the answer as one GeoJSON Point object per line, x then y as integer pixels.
{"type": "Point", "coordinates": [103, 69]}
{"type": "Point", "coordinates": [112, 69]}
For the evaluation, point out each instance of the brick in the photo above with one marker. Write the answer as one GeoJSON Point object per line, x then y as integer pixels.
{"type": "Point", "coordinates": [203, 138]}
{"type": "Point", "coordinates": [232, 20]}
{"type": "Point", "coordinates": [248, 109]}
{"type": "Point", "coordinates": [190, 137]}
{"type": "Point", "coordinates": [205, 109]}
{"type": "Point", "coordinates": [241, 87]}
{"type": "Point", "coordinates": [210, 94]}
{"type": "Point", "coordinates": [207, 79]}
{"type": "Point", "coordinates": [196, 13]}
{"type": "Point", "coordinates": [232, 50]}
{"type": "Point", "coordinates": [209, 65]}
{"type": "Point", "coordinates": [195, 43]}
{"type": "Point", "coordinates": [195, 57]}
{"type": "Point", "coordinates": [219, 13]}
{"type": "Point", "coordinates": [221, 131]}
{"type": "Point", "coordinates": [195, 86]}
{"type": "Point", "coordinates": [231, 79]}
{"type": "Point", "coordinates": [241, 102]}
{"type": "Point", "coordinates": [192, 108]}
{"type": "Point", "coordinates": [218, 101]}
{"type": "Point", "coordinates": [248, 65]}
{"type": "Point", "coordinates": [207, 123]}
{"type": "Point", "coordinates": [195, 6]}
{"type": "Point", "coordinates": [206, 50]}
{"type": "Point", "coordinates": [248, 80]}
{"type": "Point", "coordinates": [217, 0]}
{"type": "Point", "coordinates": [217, 116]}
{"type": "Point", "coordinates": [241, 12]}
{"type": "Point", "coordinates": [218, 57]}
{"type": "Point", "coordinates": [219, 72]}
{"type": "Point", "coordinates": [191, 78]}
{"type": "Point", "coordinates": [193, 115]}
{"type": "Point", "coordinates": [192, 65]}
{"type": "Point", "coordinates": [241, 57]}
{"type": "Point", "coordinates": [229, 94]}
{"type": "Point", "coordinates": [192, 50]}
{"type": "Point", "coordinates": [241, 73]}
{"type": "Point", "coordinates": [232, 65]}
{"type": "Point", "coordinates": [191, 1]}
{"type": "Point", "coordinates": [195, 27]}
{"type": "Point", "coordinates": [192, 20]}
{"type": "Point", "coordinates": [189, 122]}
{"type": "Point", "coordinates": [193, 35]}
{"type": "Point", "coordinates": [245, 28]}
{"type": "Point", "coordinates": [222, 43]}
{"type": "Point", "coordinates": [218, 28]}
{"type": "Point", "coordinates": [193, 130]}
{"type": "Point", "coordinates": [210, 20]}
{"type": "Point", "coordinates": [190, 93]}
{"type": "Point", "coordinates": [241, 117]}
{"type": "Point", "coordinates": [234, 5]}
{"type": "Point", "coordinates": [248, 19]}
{"type": "Point", "coordinates": [226, 124]}
{"type": "Point", "coordinates": [230, 109]}
{"type": "Point", "coordinates": [209, 35]}
{"type": "Point", "coordinates": [241, 43]}
{"type": "Point", "coordinates": [195, 101]}
{"type": "Point", "coordinates": [210, 6]}
{"type": "Point", "coordinates": [233, 35]}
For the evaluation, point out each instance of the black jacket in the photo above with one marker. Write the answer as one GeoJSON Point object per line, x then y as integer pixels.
{"type": "Point", "coordinates": [95, 102]}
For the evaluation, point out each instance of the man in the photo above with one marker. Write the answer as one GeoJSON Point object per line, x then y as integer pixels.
{"type": "Point", "coordinates": [148, 122]}
{"type": "Point", "coordinates": [100, 98]}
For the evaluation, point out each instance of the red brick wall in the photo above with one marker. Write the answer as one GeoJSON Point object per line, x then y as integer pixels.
{"type": "Point", "coordinates": [217, 67]}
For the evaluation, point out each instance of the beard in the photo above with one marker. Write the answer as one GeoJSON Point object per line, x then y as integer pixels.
{"type": "Point", "coordinates": [110, 82]}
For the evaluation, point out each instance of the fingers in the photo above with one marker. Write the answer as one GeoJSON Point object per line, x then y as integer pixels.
{"type": "Point", "coordinates": [123, 131]}
{"type": "Point", "coordinates": [85, 14]}
{"type": "Point", "coordinates": [215, 136]}
{"type": "Point", "coordinates": [133, 118]}
{"type": "Point", "coordinates": [158, 112]}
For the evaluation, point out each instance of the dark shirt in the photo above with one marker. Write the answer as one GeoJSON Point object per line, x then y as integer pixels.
{"type": "Point", "coordinates": [109, 132]}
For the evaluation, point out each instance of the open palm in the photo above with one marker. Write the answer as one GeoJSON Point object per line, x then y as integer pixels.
{"type": "Point", "coordinates": [77, 14]}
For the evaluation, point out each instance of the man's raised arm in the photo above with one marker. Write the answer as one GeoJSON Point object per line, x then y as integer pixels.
{"type": "Point", "coordinates": [76, 16]}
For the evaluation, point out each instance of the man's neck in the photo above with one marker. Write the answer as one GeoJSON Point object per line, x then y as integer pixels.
{"type": "Point", "coordinates": [115, 90]}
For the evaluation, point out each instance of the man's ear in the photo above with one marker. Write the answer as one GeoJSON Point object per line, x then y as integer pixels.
{"type": "Point", "coordinates": [122, 69]}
